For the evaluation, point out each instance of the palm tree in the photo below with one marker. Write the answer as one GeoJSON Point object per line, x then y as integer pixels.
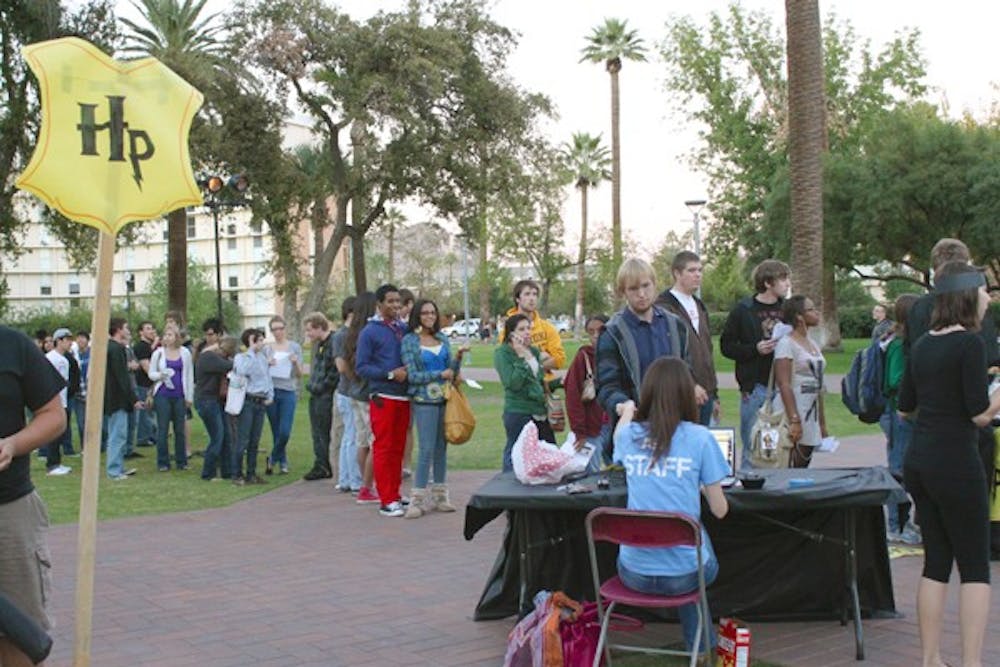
{"type": "Point", "coordinates": [588, 163]}
{"type": "Point", "coordinates": [610, 43]}
{"type": "Point", "coordinates": [177, 35]}
{"type": "Point", "coordinates": [806, 144]}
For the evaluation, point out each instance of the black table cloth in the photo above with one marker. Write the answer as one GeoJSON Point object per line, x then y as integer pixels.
{"type": "Point", "coordinates": [783, 552]}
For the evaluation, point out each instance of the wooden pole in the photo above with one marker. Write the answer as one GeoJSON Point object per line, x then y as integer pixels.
{"type": "Point", "coordinates": [96, 376]}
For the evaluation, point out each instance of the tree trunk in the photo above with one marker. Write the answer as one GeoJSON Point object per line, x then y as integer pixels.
{"type": "Point", "coordinates": [616, 170]}
{"type": "Point", "coordinates": [324, 267]}
{"type": "Point", "coordinates": [177, 261]}
{"type": "Point", "coordinates": [581, 258]}
{"type": "Point", "coordinates": [806, 144]}
{"type": "Point", "coordinates": [392, 249]}
{"type": "Point", "coordinates": [358, 260]}
{"type": "Point", "coordinates": [318, 222]}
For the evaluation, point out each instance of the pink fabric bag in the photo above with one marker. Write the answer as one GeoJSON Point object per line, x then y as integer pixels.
{"type": "Point", "coordinates": [580, 634]}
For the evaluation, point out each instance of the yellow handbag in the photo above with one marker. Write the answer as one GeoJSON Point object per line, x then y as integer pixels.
{"type": "Point", "coordinates": [459, 420]}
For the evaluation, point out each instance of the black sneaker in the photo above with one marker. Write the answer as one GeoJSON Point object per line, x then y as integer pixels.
{"type": "Point", "coordinates": [134, 455]}
{"type": "Point", "coordinates": [317, 473]}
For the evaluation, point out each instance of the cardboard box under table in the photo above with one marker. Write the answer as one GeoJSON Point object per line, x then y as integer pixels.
{"type": "Point", "coordinates": [806, 553]}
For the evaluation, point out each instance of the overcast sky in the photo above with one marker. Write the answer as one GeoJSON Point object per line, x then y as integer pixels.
{"type": "Point", "coordinates": [958, 38]}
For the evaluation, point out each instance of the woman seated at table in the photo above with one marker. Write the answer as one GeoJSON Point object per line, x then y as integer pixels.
{"type": "Point", "coordinates": [669, 458]}
{"type": "Point", "coordinates": [519, 366]}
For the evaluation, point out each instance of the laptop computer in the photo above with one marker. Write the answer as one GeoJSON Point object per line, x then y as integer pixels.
{"type": "Point", "coordinates": [726, 438]}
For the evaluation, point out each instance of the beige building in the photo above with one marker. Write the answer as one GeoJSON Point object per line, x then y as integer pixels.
{"type": "Point", "coordinates": [42, 277]}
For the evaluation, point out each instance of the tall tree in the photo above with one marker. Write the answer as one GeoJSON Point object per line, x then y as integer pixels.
{"type": "Point", "coordinates": [806, 145]}
{"type": "Point", "coordinates": [184, 39]}
{"type": "Point", "coordinates": [609, 43]}
{"type": "Point", "coordinates": [729, 76]}
{"type": "Point", "coordinates": [588, 163]}
{"type": "Point", "coordinates": [391, 96]}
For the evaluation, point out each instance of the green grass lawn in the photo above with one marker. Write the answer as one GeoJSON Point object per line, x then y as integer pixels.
{"type": "Point", "coordinates": [152, 492]}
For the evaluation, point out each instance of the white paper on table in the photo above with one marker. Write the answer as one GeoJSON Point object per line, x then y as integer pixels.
{"type": "Point", "coordinates": [473, 383]}
{"type": "Point", "coordinates": [829, 444]}
{"type": "Point", "coordinates": [282, 368]}
{"type": "Point", "coordinates": [584, 455]}
{"type": "Point", "coordinates": [781, 330]}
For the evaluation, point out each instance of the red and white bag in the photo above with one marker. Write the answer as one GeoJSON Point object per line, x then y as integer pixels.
{"type": "Point", "coordinates": [539, 462]}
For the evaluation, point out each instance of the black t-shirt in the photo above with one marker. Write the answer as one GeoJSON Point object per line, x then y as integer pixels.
{"type": "Point", "coordinates": [945, 381]}
{"type": "Point", "coordinates": [27, 380]}
{"type": "Point", "coordinates": [142, 350]}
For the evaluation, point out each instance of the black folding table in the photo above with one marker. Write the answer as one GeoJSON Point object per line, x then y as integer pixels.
{"type": "Point", "coordinates": [810, 552]}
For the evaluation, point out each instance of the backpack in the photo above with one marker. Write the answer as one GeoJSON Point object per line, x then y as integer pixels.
{"type": "Point", "coordinates": [861, 390]}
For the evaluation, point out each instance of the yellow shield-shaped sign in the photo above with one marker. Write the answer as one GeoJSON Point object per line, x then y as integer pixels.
{"type": "Point", "coordinates": [113, 143]}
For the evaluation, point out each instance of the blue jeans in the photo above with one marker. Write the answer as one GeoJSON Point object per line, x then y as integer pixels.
{"type": "Point", "coordinates": [898, 434]}
{"type": "Point", "coordinates": [248, 430]}
{"type": "Point", "coordinates": [218, 454]}
{"type": "Point", "coordinates": [429, 418]}
{"type": "Point", "coordinates": [117, 430]}
{"type": "Point", "coordinates": [281, 414]}
{"type": "Point", "coordinates": [144, 425]}
{"type": "Point", "coordinates": [67, 437]}
{"type": "Point", "coordinates": [678, 585]}
{"type": "Point", "coordinates": [749, 405]}
{"type": "Point", "coordinates": [513, 422]}
{"type": "Point", "coordinates": [170, 411]}
{"type": "Point", "coordinates": [348, 472]}
{"type": "Point", "coordinates": [705, 412]}
{"type": "Point", "coordinates": [80, 411]}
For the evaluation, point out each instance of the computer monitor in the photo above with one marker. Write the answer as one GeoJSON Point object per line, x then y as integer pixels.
{"type": "Point", "coordinates": [726, 437]}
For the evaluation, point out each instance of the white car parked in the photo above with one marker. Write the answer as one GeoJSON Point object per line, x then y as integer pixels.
{"type": "Point", "coordinates": [468, 327]}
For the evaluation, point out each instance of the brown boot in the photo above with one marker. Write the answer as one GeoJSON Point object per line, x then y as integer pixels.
{"type": "Point", "coordinates": [415, 510]}
{"type": "Point", "coordinates": [439, 494]}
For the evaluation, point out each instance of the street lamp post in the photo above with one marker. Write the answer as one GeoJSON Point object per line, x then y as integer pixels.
{"type": "Point", "coordinates": [129, 288]}
{"type": "Point", "coordinates": [215, 186]}
{"type": "Point", "coordinates": [465, 282]}
{"type": "Point", "coordinates": [695, 205]}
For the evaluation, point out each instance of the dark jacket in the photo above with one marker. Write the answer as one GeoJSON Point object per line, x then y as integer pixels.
{"type": "Point", "coordinates": [323, 375]}
{"type": "Point", "coordinates": [739, 341]}
{"type": "Point", "coordinates": [618, 369]}
{"type": "Point", "coordinates": [118, 393]}
{"type": "Point", "coordinates": [699, 342]}
{"type": "Point", "coordinates": [209, 370]}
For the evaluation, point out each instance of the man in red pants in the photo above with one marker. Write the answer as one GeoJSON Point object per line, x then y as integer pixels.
{"type": "Point", "coordinates": [379, 361]}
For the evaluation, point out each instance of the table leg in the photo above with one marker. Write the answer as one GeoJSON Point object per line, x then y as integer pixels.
{"type": "Point", "coordinates": [852, 581]}
{"type": "Point", "coordinates": [525, 547]}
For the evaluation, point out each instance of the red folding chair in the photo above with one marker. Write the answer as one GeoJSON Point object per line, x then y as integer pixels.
{"type": "Point", "coordinates": [644, 529]}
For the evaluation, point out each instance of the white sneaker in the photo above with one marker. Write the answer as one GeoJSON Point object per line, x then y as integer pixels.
{"type": "Point", "coordinates": [59, 471]}
{"type": "Point", "coordinates": [119, 478]}
{"type": "Point", "coordinates": [392, 509]}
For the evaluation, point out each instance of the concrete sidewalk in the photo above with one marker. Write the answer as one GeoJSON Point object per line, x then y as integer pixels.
{"type": "Point", "coordinates": [303, 576]}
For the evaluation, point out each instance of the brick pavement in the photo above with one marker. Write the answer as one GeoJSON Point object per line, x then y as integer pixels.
{"type": "Point", "coordinates": [302, 576]}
